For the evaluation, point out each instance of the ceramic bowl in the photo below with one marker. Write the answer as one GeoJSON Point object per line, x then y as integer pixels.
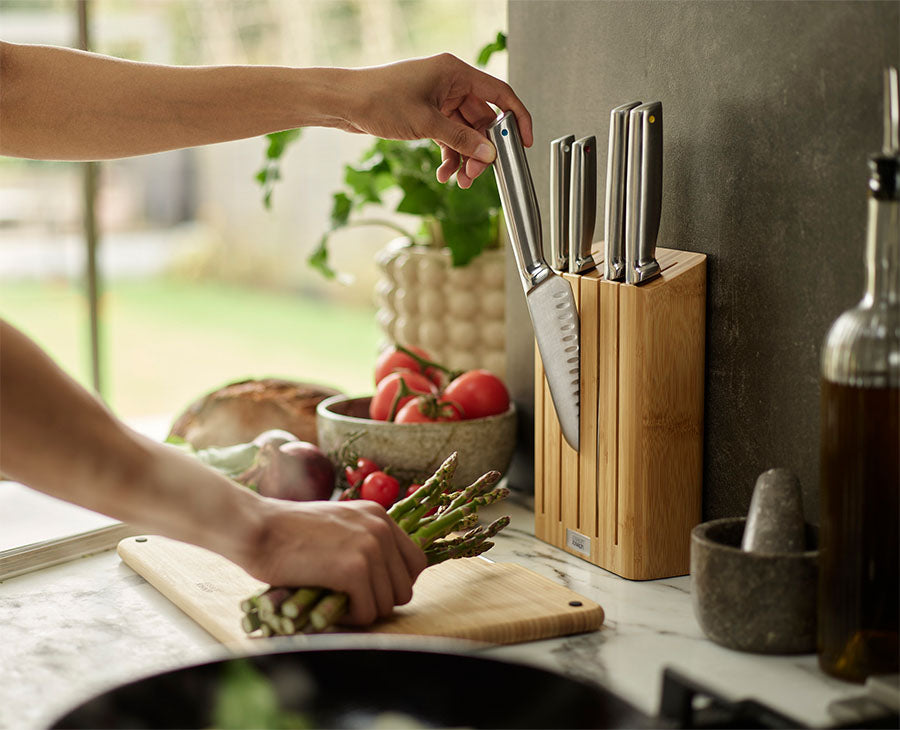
{"type": "Point", "coordinates": [756, 602]}
{"type": "Point", "coordinates": [415, 450]}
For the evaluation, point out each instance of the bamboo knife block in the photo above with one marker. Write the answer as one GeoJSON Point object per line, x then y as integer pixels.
{"type": "Point", "coordinates": [628, 499]}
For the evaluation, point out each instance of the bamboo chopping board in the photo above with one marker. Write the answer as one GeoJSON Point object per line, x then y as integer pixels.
{"type": "Point", "coordinates": [475, 599]}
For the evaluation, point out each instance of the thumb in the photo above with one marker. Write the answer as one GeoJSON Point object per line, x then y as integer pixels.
{"type": "Point", "coordinates": [462, 138]}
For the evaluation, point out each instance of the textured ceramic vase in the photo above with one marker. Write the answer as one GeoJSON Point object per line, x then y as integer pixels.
{"type": "Point", "coordinates": [456, 313]}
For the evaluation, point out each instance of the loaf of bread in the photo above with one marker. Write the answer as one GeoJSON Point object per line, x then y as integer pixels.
{"type": "Point", "coordinates": [238, 412]}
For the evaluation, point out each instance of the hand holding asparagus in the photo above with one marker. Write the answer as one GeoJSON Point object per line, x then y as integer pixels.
{"type": "Point", "coordinates": [281, 610]}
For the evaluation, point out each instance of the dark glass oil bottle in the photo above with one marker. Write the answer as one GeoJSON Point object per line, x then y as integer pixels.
{"type": "Point", "coordinates": [859, 570]}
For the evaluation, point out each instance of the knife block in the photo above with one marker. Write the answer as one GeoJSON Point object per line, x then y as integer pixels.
{"type": "Point", "coordinates": [628, 499]}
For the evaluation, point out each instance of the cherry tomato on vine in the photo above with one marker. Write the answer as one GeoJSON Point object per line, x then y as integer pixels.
{"type": "Point", "coordinates": [362, 469]}
{"type": "Point", "coordinates": [391, 360]}
{"type": "Point", "coordinates": [479, 393]}
{"type": "Point", "coordinates": [380, 487]}
{"type": "Point", "coordinates": [427, 409]}
{"type": "Point", "coordinates": [416, 383]}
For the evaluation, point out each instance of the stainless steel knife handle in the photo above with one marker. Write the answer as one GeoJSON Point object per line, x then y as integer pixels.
{"type": "Point", "coordinates": [614, 210]}
{"type": "Point", "coordinates": [523, 217]}
{"type": "Point", "coordinates": [560, 172]}
{"type": "Point", "coordinates": [644, 204]}
{"type": "Point", "coordinates": [891, 144]}
{"type": "Point", "coordinates": [583, 210]}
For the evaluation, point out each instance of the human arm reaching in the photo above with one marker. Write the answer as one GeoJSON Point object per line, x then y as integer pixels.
{"type": "Point", "coordinates": [58, 438]}
{"type": "Point", "coordinates": [63, 104]}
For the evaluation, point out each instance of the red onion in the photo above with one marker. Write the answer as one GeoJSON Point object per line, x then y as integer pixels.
{"type": "Point", "coordinates": [276, 436]}
{"type": "Point", "coordinates": [295, 470]}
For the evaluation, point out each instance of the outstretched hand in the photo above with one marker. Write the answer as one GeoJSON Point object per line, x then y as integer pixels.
{"type": "Point", "coordinates": [439, 97]}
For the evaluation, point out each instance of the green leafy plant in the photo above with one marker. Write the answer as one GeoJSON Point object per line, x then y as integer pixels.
{"type": "Point", "coordinates": [270, 172]}
{"type": "Point", "coordinates": [466, 222]}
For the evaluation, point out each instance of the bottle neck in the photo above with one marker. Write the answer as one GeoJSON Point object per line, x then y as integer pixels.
{"type": "Point", "coordinates": [883, 254]}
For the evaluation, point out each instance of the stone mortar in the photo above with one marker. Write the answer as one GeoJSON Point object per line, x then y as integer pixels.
{"type": "Point", "coordinates": [764, 603]}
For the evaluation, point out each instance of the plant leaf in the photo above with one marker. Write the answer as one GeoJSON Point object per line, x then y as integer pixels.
{"type": "Point", "coordinates": [279, 141]}
{"type": "Point", "coordinates": [418, 197]}
{"type": "Point", "coordinates": [484, 55]}
{"type": "Point", "coordinates": [340, 210]}
{"type": "Point", "coordinates": [466, 239]}
{"type": "Point", "coordinates": [318, 259]}
{"type": "Point", "coordinates": [481, 200]}
{"type": "Point", "coordinates": [363, 184]}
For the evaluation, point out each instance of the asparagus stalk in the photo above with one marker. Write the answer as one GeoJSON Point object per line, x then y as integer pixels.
{"type": "Point", "coordinates": [250, 622]}
{"type": "Point", "coordinates": [301, 602]}
{"type": "Point", "coordinates": [460, 551]}
{"type": "Point", "coordinates": [269, 603]}
{"type": "Point", "coordinates": [447, 522]}
{"type": "Point", "coordinates": [328, 610]}
{"type": "Point", "coordinates": [433, 484]}
{"type": "Point", "coordinates": [463, 545]}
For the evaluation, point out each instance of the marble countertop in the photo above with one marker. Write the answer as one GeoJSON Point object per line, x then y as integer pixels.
{"type": "Point", "coordinates": [76, 629]}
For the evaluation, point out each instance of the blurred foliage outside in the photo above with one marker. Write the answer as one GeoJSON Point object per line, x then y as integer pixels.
{"type": "Point", "coordinates": [172, 339]}
{"type": "Point", "coordinates": [202, 284]}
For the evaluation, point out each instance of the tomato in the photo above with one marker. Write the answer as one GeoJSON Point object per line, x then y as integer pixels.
{"type": "Point", "coordinates": [427, 409]}
{"type": "Point", "coordinates": [380, 406]}
{"type": "Point", "coordinates": [479, 393]}
{"type": "Point", "coordinates": [364, 467]}
{"type": "Point", "coordinates": [391, 359]}
{"type": "Point", "coordinates": [380, 487]}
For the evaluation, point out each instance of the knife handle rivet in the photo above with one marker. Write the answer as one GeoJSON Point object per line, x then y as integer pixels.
{"type": "Point", "coordinates": [651, 119]}
{"type": "Point", "coordinates": [504, 132]}
{"type": "Point", "coordinates": [575, 603]}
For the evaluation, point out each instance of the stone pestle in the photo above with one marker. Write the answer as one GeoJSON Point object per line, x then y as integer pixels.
{"type": "Point", "coordinates": [775, 521]}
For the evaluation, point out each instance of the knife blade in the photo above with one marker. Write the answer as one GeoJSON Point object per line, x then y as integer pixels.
{"type": "Point", "coordinates": [644, 194]}
{"type": "Point", "coordinates": [548, 295]}
{"type": "Point", "coordinates": [560, 172]}
{"type": "Point", "coordinates": [614, 210]}
{"type": "Point", "coordinates": [583, 205]}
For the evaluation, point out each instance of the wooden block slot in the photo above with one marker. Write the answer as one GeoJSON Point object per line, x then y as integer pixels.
{"type": "Point", "coordinates": [627, 500]}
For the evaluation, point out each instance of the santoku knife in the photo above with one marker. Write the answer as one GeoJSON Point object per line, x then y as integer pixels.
{"type": "Point", "coordinates": [560, 171]}
{"type": "Point", "coordinates": [583, 210]}
{"type": "Point", "coordinates": [548, 295]}
{"type": "Point", "coordinates": [614, 217]}
{"type": "Point", "coordinates": [644, 194]}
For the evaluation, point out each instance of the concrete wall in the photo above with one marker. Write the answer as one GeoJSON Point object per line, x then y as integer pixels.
{"type": "Point", "coordinates": [770, 111]}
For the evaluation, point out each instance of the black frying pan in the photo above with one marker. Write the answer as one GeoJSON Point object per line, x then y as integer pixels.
{"type": "Point", "coordinates": [351, 687]}
{"type": "Point", "coordinates": [351, 681]}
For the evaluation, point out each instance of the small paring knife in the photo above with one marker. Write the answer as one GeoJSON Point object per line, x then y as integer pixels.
{"type": "Point", "coordinates": [644, 192]}
{"type": "Point", "coordinates": [614, 218]}
{"type": "Point", "coordinates": [583, 206]}
{"type": "Point", "coordinates": [560, 172]}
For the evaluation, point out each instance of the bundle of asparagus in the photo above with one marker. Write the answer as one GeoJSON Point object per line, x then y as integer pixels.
{"type": "Point", "coordinates": [428, 516]}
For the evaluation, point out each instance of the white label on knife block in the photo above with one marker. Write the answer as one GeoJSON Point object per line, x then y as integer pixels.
{"type": "Point", "coordinates": [578, 542]}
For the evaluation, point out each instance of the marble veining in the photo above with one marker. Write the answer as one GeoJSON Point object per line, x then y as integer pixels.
{"type": "Point", "coordinates": [73, 630]}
